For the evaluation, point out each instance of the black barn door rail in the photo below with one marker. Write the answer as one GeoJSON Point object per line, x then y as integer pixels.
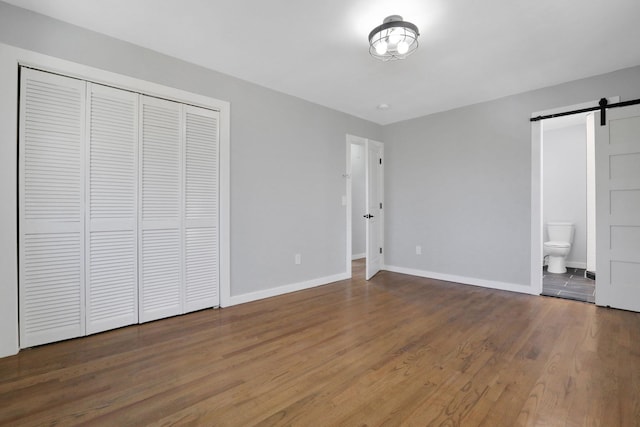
{"type": "Point", "coordinates": [603, 105]}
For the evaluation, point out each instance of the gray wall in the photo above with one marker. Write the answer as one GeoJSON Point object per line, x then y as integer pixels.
{"type": "Point", "coordinates": [358, 200]}
{"type": "Point", "coordinates": [565, 185]}
{"type": "Point", "coordinates": [287, 155]}
{"type": "Point", "coordinates": [458, 183]}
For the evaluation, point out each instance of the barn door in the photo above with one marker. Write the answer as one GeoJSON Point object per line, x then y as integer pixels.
{"type": "Point", "coordinates": [618, 209]}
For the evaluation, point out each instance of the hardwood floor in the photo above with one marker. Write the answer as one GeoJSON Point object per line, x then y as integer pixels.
{"type": "Point", "coordinates": [398, 350]}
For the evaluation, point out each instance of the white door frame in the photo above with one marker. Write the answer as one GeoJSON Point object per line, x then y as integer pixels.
{"type": "Point", "coordinates": [364, 142]}
{"type": "Point", "coordinates": [537, 227]}
{"type": "Point", "coordinates": [10, 59]}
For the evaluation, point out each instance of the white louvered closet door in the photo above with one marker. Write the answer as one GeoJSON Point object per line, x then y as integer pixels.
{"type": "Point", "coordinates": [111, 210]}
{"type": "Point", "coordinates": [51, 171]}
{"type": "Point", "coordinates": [160, 224]}
{"type": "Point", "coordinates": [201, 208]}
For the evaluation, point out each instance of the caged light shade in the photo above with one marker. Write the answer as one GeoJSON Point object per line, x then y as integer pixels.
{"type": "Point", "coordinates": [394, 39]}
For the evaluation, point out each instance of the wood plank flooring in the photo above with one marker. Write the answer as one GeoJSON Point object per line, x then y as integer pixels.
{"type": "Point", "coordinates": [398, 350]}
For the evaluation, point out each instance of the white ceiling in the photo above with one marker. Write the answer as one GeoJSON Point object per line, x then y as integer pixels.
{"type": "Point", "coordinates": [470, 51]}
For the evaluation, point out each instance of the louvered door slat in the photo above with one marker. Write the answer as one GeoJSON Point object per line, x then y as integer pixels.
{"type": "Point", "coordinates": [201, 209]}
{"type": "Point", "coordinates": [112, 249]}
{"type": "Point", "coordinates": [51, 168]}
{"type": "Point", "coordinates": [161, 276]}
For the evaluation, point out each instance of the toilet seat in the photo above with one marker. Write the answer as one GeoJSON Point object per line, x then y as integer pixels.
{"type": "Point", "coordinates": [557, 244]}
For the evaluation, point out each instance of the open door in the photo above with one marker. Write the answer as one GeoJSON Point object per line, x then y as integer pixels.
{"type": "Point", "coordinates": [374, 195]}
{"type": "Point", "coordinates": [618, 208]}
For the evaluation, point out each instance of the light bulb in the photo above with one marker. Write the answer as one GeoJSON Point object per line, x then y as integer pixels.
{"type": "Point", "coordinates": [381, 48]}
{"type": "Point", "coordinates": [402, 47]}
{"type": "Point", "coordinates": [395, 36]}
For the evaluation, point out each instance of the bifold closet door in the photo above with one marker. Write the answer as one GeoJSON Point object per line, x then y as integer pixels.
{"type": "Point", "coordinates": [51, 216]}
{"type": "Point", "coordinates": [201, 208]}
{"type": "Point", "coordinates": [118, 208]}
{"type": "Point", "coordinates": [111, 209]}
{"type": "Point", "coordinates": [160, 214]}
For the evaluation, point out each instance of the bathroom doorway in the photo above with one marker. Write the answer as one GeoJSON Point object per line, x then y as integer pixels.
{"type": "Point", "coordinates": [580, 264]}
{"type": "Point", "coordinates": [568, 207]}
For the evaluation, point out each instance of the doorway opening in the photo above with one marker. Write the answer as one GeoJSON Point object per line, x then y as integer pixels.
{"type": "Point", "coordinates": [563, 204]}
{"type": "Point", "coordinates": [568, 203]}
{"type": "Point", "coordinates": [358, 204]}
{"type": "Point", "coordinates": [365, 204]}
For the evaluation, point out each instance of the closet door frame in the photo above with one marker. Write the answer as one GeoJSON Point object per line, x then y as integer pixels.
{"type": "Point", "coordinates": [11, 59]}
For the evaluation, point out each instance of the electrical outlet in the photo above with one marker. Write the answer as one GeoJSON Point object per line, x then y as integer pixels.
{"type": "Point", "coordinates": [418, 250]}
{"type": "Point", "coordinates": [298, 259]}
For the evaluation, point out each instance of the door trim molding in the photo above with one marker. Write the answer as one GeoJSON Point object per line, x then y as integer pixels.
{"type": "Point", "coordinates": [350, 139]}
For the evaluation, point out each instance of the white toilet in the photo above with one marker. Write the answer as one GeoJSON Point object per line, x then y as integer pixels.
{"type": "Point", "coordinates": [558, 246]}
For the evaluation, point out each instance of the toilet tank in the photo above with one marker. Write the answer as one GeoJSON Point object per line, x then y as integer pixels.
{"type": "Point", "coordinates": [560, 231]}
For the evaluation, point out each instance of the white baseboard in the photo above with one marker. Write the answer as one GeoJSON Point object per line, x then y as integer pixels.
{"type": "Point", "coordinates": [358, 256]}
{"type": "Point", "coordinates": [492, 284]}
{"type": "Point", "coordinates": [280, 290]}
{"type": "Point", "coordinates": [574, 264]}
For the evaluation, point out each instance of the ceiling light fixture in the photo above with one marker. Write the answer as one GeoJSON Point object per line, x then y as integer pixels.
{"type": "Point", "coordinates": [394, 39]}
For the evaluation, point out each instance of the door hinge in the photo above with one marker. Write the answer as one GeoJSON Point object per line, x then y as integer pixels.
{"type": "Point", "coordinates": [380, 160]}
{"type": "Point", "coordinates": [380, 250]}
{"type": "Point", "coordinates": [380, 205]}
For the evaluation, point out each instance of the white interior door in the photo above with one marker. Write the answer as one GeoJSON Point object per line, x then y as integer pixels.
{"type": "Point", "coordinates": [160, 217]}
{"type": "Point", "coordinates": [374, 195]}
{"type": "Point", "coordinates": [51, 193]}
{"type": "Point", "coordinates": [201, 209]}
{"type": "Point", "coordinates": [111, 213]}
{"type": "Point", "coordinates": [618, 209]}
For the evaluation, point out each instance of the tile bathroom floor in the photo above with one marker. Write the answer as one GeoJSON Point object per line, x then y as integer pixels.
{"type": "Point", "coordinates": [571, 285]}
